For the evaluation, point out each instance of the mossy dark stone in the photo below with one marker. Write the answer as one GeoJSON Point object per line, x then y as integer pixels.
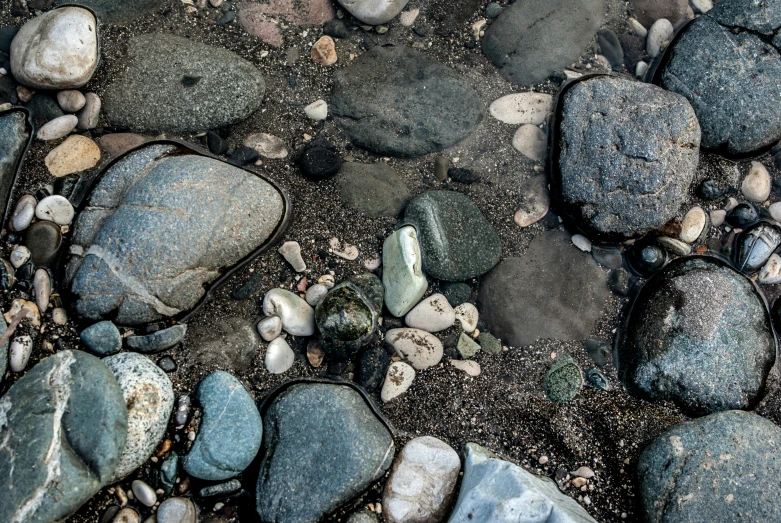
{"type": "Point", "coordinates": [564, 380]}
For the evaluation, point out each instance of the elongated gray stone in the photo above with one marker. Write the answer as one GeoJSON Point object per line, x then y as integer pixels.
{"type": "Point", "coordinates": [402, 276]}
{"type": "Point", "coordinates": [14, 135]}
{"type": "Point", "coordinates": [158, 341]}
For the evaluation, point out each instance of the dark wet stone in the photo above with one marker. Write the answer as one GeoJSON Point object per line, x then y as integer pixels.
{"type": "Point", "coordinates": [168, 470]}
{"type": "Point", "coordinates": [599, 351]}
{"type": "Point", "coordinates": [608, 256]}
{"type": "Point", "coordinates": [372, 366]}
{"type": "Point", "coordinates": [102, 338]}
{"type": "Point", "coordinates": [597, 380]}
{"type": "Point", "coordinates": [742, 215]}
{"type": "Point", "coordinates": [456, 292]}
{"type": "Point", "coordinates": [374, 190]}
{"type": "Point", "coordinates": [460, 175]}
{"type": "Point", "coordinates": [7, 278]}
{"type": "Point", "coordinates": [44, 239]}
{"type": "Point", "coordinates": [6, 37]}
{"type": "Point", "coordinates": [250, 286]}
{"type": "Point", "coordinates": [336, 28]}
{"type": "Point", "coordinates": [230, 344]}
{"type": "Point", "coordinates": [698, 334]}
{"type": "Point", "coordinates": [318, 162]}
{"type": "Point", "coordinates": [215, 143]}
{"type": "Point", "coordinates": [242, 156]}
{"type": "Point", "coordinates": [492, 10]}
{"type": "Point", "coordinates": [710, 189]}
{"type": "Point", "coordinates": [646, 258]}
{"type": "Point", "coordinates": [649, 11]}
{"type": "Point", "coordinates": [611, 48]}
{"type": "Point", "coordinates": [157, 341]}
{"type": "Point", "coordinates": [14, 135]}
{"type": "Point", "coordinates": [117, 11]}
{"type": "Point", "coordinates": [754, 246]}
{"type": "Point", "coordinates": [26, 272]}
{"type": "Point", "coordinates": [564, 380]}
{"type": "Point", "coordinates": [167, 364]}
{"type": "Point", "coordinates": [43, 108]}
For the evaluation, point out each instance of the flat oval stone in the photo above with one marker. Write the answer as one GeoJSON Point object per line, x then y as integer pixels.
{"type": "Point", "coordinates": [420, 348]}
{"type": "Point", "coordinates": [77, 153]}
{"type": "Point", "coordinates": [24, 212]}
{"type": "Point", "coordinates": [157, 341]}
{"type": "Point", "coordinates": [522, 108]}
{"type": "Point", "coordinates": [144, 493]}
{"type": "Point", "coordinates": [374, 12]}
{"type": "Point", "coordinates": [71, 100]}
{"type": "Point", "coordinates": [19, 353]}
{"type": "Point", "coordinates": [177, 510]}
{"type": "Point", "coordinates": [56, 209]}
{"type": "Point", "coordinates": [297, 316]}
{"type": "Point", "coordinates": [102, 338]}
{"type": "Point", "coordinates": [44, 240]}
{"type": "Point", "coordinates": [57, 128]}
{"type": "Point", "coordinates": [531, 141]}
{"type": "Point", "coordinates": [405, 284]}
{"type": "Point", "coordinates": [433, 314]}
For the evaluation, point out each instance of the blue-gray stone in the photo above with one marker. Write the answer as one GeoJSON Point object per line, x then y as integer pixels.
{"type": "Point", "coordinates": [63, 427]}
{"type": "Point", "coordinates": [169, 468]}
{"type": "Point", "coordinates": [116, 11]}
{"type": "Point", "coordinates": [157, 341]}
{"type": "Point", "coordinates": [456, 292]}
{"type": "Point", "coordinates": [102, 338]}
{"type": "Point", "coordinates": [14, 135]}
{"type": "Point", "coordinates": [158, 227]}
{"type": "Point", "coordinates": [723, 467]}
{"type": "Point", "coordinates": [231, 431]}
{"type": "Point", "coordinates": [323, 447]}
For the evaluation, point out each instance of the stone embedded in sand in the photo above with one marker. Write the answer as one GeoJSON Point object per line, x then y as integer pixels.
{"type": "Point", "coordinates": [262, 20]}
{"type": "Point", "coordinates": [77, 153]}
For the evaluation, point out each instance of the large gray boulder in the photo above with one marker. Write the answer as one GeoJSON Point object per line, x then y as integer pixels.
{"type": "Point", "coordinates": [628, 152]}
{"type": "Point", "coordinates": [158, 226]}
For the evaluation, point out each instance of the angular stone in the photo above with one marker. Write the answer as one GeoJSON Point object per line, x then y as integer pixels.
{"type": "Point", "coordinates": [405, 284]}
{"type": "Point", "coordinates": [14, 135]}
{"type": "Point", "coordinates": [77, 153]}
{"type": "Point", "coordinates": [374, 190]}
{"type": "Point", "coordinates": [420, 348]}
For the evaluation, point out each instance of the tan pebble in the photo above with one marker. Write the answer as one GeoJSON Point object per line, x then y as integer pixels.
{"type": "Point", "coordinates": [76, 153]}
{"type": "Point", "coordinates": [324, 51]}
{"type": "Point", "coordinates": [543, 460]}
{"type": "Point", "coordinates": [579, 482]}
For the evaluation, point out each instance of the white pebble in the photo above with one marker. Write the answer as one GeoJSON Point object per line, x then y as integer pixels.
{"type": "Point", "coordinates": [407, 18]}
{"type": "Point", "coordinates": [55, 209]}
{"type": "Point", "coordinates": [433, 314]}
{"type": "Point", "coordinates": [581, 242]}
{"type": "Point", "coordinates": [693, 224]}
{"type": "Point", "coordinates": [89, 116]}
{"type": "Point", "coordinates": [71, 100]}
{"type": "Point", "coordinates": [756, 185]}
{"type": "Point", "coordinates": [640, 69]}
{"type": "Point", "coordinates": [659, 33]}
{"type": "Point", "coordinates": [420, 348]}
{"type": "Point", "coordinates": [531, 142]}
{"type": "Point", "coordinates": [270, 328]}
{"type": "Point", "coordinates": [718, 216]}
{"type": "Point", "coordinates": [279, 356]}
{"type": "Point", "coordinates": [19, 355]}
{"type": "Point", "coordinates": [267, 145]}
{"type": "Point", "coordinates": [522, 108]}
{"type": "Point", "coordinates": [397, 380]}
{"type": "Point", "coordinates": [291, 251]}
{"type": "Point", "coordinates": [731, 204]}
{"type": "Point", "coordinates": [23, 213]}
{"type": "Point", "coordinates": [59, 316]}
{"type": "Point", "coordinates": [42, 285]}
{"type": "Point", "coordinates": [770, 273]}
{"type": "Point", "coordinates": [144, 493]}
{"type": "Point", "coordinates": [19, 256]}
{"type": "Point", "coordinates": [638, 28]}
{"type": "Point", "coordinates": [702, 6]}
{"type": "Point", "coordinates": [317, 110]}
{"type": "Point", "coordinates": [298, 317]}
{"type": "Point", "coordinates": [346, 251]}
{"type": "Point", "coordinates": [57, 128]}
{"type": "Point", "coordinates": [470, 367]}
{"type": "Point", "coordinates": [467, 316]}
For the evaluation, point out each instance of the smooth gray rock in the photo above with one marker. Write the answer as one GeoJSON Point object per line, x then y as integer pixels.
{"type": "Point", "coordinates": [102, 338]}
{"type": "Point", "coordinates": [157, 341]}
{"type": "Point", "coordinates": [723, 467]}
{"type": "Point", "coordinates": [177, 510]}
{"type": "Point", "coordinates": [374, 190]}
{"type": "Point", "coordinates": [399, 102]}
{"type": "Point", "coordinates": [63, 427]}
{"type": "Point", "coordinates": [14, 135]}
{"type": "Point", "coordinates": [117, 11]}
{"type": "Point", "coordinates": [323, 447]}
{"type": "Point", "coordinates": [628, 171]}
{"type": "Point", "coordinates": [147, 240]}
{"type": "Point", "coordinates": [177, 84]}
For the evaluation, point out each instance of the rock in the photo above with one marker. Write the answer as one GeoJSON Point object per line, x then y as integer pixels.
{"type": "Point", "coordinates": [24, 212]}
{"type": "Point", "coordinates": [535, 201]}
{"type": "Point", "coordinates": [422, 482]}
{"type": "Point", "coordinates": [117, 144]}
{"type": "Point", "coordinates": [71, 100]}
{"type": "Point", "coordinates": [649, 11]}
{"type": "Point", "coordinates": [724, 466]}
{"type": "Point", "coordinates": [490, 344]}
{"type": "Point", "coordinates": [157, 341]}
{"type": "Point", "coordinates": [433, 314]}
{"type": "Point", "coordinates": [467, 315]}
{"type": "Point", "coordinates": [291, 251]}
{"type": "Point", "coordinates": [717, 216]}
{"type": "Point", "coordinates": [421, 349]}
{"type": "Point", "coordinates": [693, 225]}
{"type": "Point", "coordinates": [597, 380]}
{"type": "Point", "coordinates": [557, 289]}
{"type": "Point", "coordinates": [56, 50]}
{"type": "Point", "coordinates": [320, 162]}
{"type": "Point", "coordinates": [402, 277]}
{"type": "Point", "coordinates": [455, 293]}
{"type": "Point", "coordinates": [711, 335]}
{"type": "Point", "coordinates": [756, 186]}
{"type": "Point", "coordinates": [770, 274]}
{"type": "Point", "coordinates": [102, 338]}
{"type": "Point", "coordinates": [57, 128]}
{"type": "Point", "coordinates": [117, 11]}
{"type": "Point", "coordinates": [607, 256]}
{"type": "Point", "coordinates": [660, 32]}
{"type": "Point", "coordinates": [317, 110]}
{"type": "Point", "coordinates": [563, 380]}
{"type": "Point", "coordinates": [126, 515]}
{"type": "Point", "coordinates": [456, 241]}
{"type": "Point", "coordinates": [55, 209]}
{"type": "Point", "coordinates": [363, 516]}
{"type": "Point", "coordinates": [397, 381]}
{"type": "Point", "coordinates": [270, 327]}
{"type": "Point", "coordinates": [242, 156]}
{"type": "Point", "coordinates": [343, 436]}
{"type": "Point", "coordinates": [144, 493]}
{"type": "Point", "coordinates": [229, 344]}
{"type": "Point", "coordinates": [177, 510]}
{"type": "Point", "coordinates": [467, 347]}
{"type": "Point", "coordinates": [177, 84]}
{"type": "Point", "coordinates": [742, 215]}
{"type": "Point", "coordinates": [629, 197]}
{"type": "Point", "coordinates": [52, 477]}
{"type": "Point", "coordinates": [374, 190]}
{"type": "Point", "coordinates": [19, 256]}
{"type": "Point", "coordinates": [522, 108]}
{"type": "Point", "coordinates": [267, 145]}
{"type": "Point", "coordinates": [611, 48]}
{"type": "Point", "coordinates": [530, 40]}
{"type": "Point", "coordinates": [501, 492]}
{"type": "Point", "coordinates": [531, 142]}
{"type": "Point", "coordinates": [44, 240]}
{"type": "Point", "coordinates": [374, 12]}
{"type": "Point", "coordinates": [324, 51]}
{"type": "Point", "coordinates": [297, 316]}
{"type": "Point", "coordinates": [279, 356]}
{"type": "Point", "coordinates": [378, 118]}
{"type": "Point", "coordinates": [472, 368]}
{"type": "Point", "coordinates": [89, 115]}
{"type": "Point", "coordinates": [111, 267]}
{"type": "Point", "coordinates": [315, 294]}
{"type": "Point", "coordinates": [19, 353]}
{"type": "Point", "coordinates": [407, 18]}
{"type": "Point", "coordinates": [230, 433]}
{"type": "Point", "coordinates": [77, 153]}
{"type": "Point", "coordinates": [754, 246]}
{"type": "Point", "coordinates": [262, 20]}
{"type": "Point", "coordinates": [372, 365]}
{"type": "Point", "coordinates": [42, 287]}
{"type": "Point", "coordinates": [581, 242]}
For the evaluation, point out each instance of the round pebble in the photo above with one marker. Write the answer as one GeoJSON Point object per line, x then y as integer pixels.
{"type": "Point", "coordinates": [467, 315]}
{"type": "Point", "coordinates": [420, 348]}
{"type": "Point", "coordinates": [693, 224]}
{"type": "Point", "coordinates": [19, 354]}
{"type": "Point", "coordinates": [470, 367]}
{"type": "Point", "coordinates": [315, 294]}
{"type": "Point", "coordinates": [717, 216]}
{"type": "Point", "coordinates": [71, 100]}
{"type": "Point", "coordinates": [279, 356]}
{"type": "Point", "coordinates": [177, 510]}
{"type": "Point", "coordinates": [317, 110]}
{"type": "Point", "coordinates": [324, 51]}
{"type": "Point", "coordinates": [57, 128]}
{"type": "Point", "coordinates": [144, 493]}
{"type": "Point", "coordinates": [397, 380]}
{"type": "Point", "coordinates": [270, 328]}
{"type": "Point", "coordinates": [522, 108]}
{"type": "Point", "coordinates": [581, 242]}
{"type": "Point", "coordinates": [24, 212]}
{"type": "Point", "coordinates": [59, 316]}
{"type": "Point", "coordinates": [660, 32]}
{"type": "Point", "coordinates": [127, 515]}
{"type": "Point", "coordinates": [756, 186]}
{"type": "Point", "coordinates": [55, 209]}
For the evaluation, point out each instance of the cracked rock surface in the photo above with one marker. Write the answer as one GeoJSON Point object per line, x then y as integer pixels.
{"type": "Point", "coordinates": [628, 152]}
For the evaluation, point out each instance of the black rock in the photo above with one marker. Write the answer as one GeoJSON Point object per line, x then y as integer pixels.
{"type": "Point", "coordinates": [168, 471]}
{"type": "Point", "coordinates": [634, 50]}
{"type": "Point", "coordinates": [710, 189]}
{"type": "Point", "coordinates": [372, 366]}
{"type": "Point", "coordinates": [7, 278]}
{"type": "Point", "coordinates": [597, 380]}
{"type": "Point", "coordinates": [14, 136]}
{"type": "Point", "coordinates": [754, 246]}
{"type": "Point", "coordinates": [742, 215]}
{"type": "Point", "coordinates": [456, 292]}
{"type": "Point", "coordinates": [25, 272]}
{"type": "Point", "coordinates": [460, 175]}
{"type": "Point", "coordinates": [167, 363]}
{"type": "Point", "coordinates": [44, 239]}
{"type": "Point", "coordinates": [242, 156]}
{"type": "Point", "coordinates": [318, 162]}
{"type": "Point", "coordinates": [611, 48]}
{"type": "Point", "coordinates": [336, 28]}
{"type": "Point", "coordinates": [645, 258]}
{"type": "Point", "coordinates": [250, 286]}
{"type": "Point", "coordinates": [599, 351]}
{"type": "Point", "coordinates": [215, 143]}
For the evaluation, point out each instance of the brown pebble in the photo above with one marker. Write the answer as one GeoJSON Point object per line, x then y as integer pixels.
{"type": "Point", "coordinates": [164, 449]}
{"type": "Point", "coordinates": [315, 353]}
{"type": "Point", "coordinates": [672, 228]}
{"type": "Point", "coordinates": [324, 51]}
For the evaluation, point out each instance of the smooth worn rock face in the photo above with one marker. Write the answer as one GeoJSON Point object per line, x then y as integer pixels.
{"type": "Point", "coordinates": [374, 12]}
{"type": "Point", "coordinates": [530, 40]}
{"type": "Point", "coordinates": [420, 348]}
{"type": "Point", "coordinates": [433, 314]}
{"type": "Point", "coordinates": [402, 275]}
{"type": "Point", "coordinates": [627, 172]}
{"type": "Point", "coordinates": [731, 49]}
{"type": "Point", "coordinates": [158, 226]}
{"type": "Point", "coordinates": [723, 467]}
{"type": "Point", "coordinates": [64, 425]}
{"type": "Point", "coordinates": [177, 84]}
{"type": "Point", "coordinates": [698, 334]}
{"type": "Point", "coordinates": [456, 240]}
{"type": "Point", "coordinates": [398, 102]}
{"type": "Point", "coordinates": [117, 11]}
{"type": "Point", "coordinates": [374, 190]}
{"type": "Point", "coordinates": [323, 447]}
{"type": "Point", "coordinates": [296, 315]}
{"type": "Point", "coordinates": [56, 50]}
{"type": "Point", "coordinates": [501, 492]}
{"type": "Point", "coordinates": [13, 141]}
{"type": "Point", "coordinates": [553, 291]}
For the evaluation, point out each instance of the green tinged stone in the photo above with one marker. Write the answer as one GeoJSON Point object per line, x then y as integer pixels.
{"type": "Point", "coordinates": [490, 343]}
{"type": "Point", "coordinates": [402, 276]}
{"type": "Point", "coordinates": [564, 380]}
{"type": "Point", "coordinates": [467, 347]}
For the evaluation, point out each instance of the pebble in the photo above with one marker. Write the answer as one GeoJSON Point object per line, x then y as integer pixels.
{"type": "Point", "coordinates": [467, 315]}
{"type": "Point", "coordinates": [564, 380]}
{"type": "Point", "coordinates": [531, 142]}
{"type": "Point", "coordinates": [24, 212]}
{"type": "Point", "coordinates": [279, 356]}
{"type": "Point", "coordinates": [640, 69]}
{"type": "Point", "coordinates": [297, 316]}
{"type": "Point", "coordinates": [71, 100]}
{"type": "Point", "coordinates": [57, 128]}
{"type": "Point", "coordinates": [693, 224]}
{"type": "Point", "coordinates": [343, 250]}
{"type": "Point", "coordinates": [433, 314]}
{"type": "Point", "coordinates": [77, 153]}
{"type": "Point", "coordinates": [19, 256]}
{"type": "Point", "coordinates": [177, 510]}
{"type": "Point", "coordinates": [660, 32]}
{"type": "Point", "coordinates": [535, 201]}
{"type": "Point", "coordinates": [270, 328]}
{"type": "Point", "coordinates": [127, 515]}
{"type": "Point", "coordinates": [320, 162]}
{"type": "Point", "coordinates": [754, 246]}
{"type": "Point", "coordinates": [59, 316]}
{"type": "Point", "coordinates": [89, 115]}
{"type": "Point", "coordinates": [317, 110]}
{"type": "Point", "coordinates": [315, 294]}
{"type": "Point", "coordinates": [102, 338]}
{"type": "Point", "coordinates": [220, 489]}
{"type": "Point", "coordinates": [472, 368]}
{"type": "Point", "coordinates": [315, 353]}
{"type": "Point", "coordinates": [144, 493]}
{"type": "Point", "coordinates": [267, 145]}
{"type": "Point", "coordinates": [291, 251]}
{"type": "Point", "coordinates": [420, 348]}
{"type": "Point", "coordinates": [581, 242]}
{"type": "Point", "coordinates": [717, 216]}
{"type": "Point", "coordinates": [701, 6]}
{"type": "Point", "coordinates": [467, 347]}
{"type": "Point", "coordinates": [583, 472]}
{"type": "Point", "coordinates": [19, 353]}
{"type": "Point", "coordinates": [522, 108]}
{"type": "Point", "coordinates": [596, 379]}
{"type": "Point", "coordinates": [674, 245]}
{"type": "Point", "coordinates": [397, 380]}
{"type": "Point", "coordinates": [775, 211]}
{"type": "Point", "coordinates": [407, 18]}
{"type": "Point", "coordinates": [42, 285]}
{"type": "Point", "coordinates": [55, 209]}
{"type": "Point", "coordinates": [324, 51]}
{"type": "Point", "coordinates": [159, 340]}
{"type": "Point", "coordinates": [117, 144]}
{"type": "Point", "coordinates": [756, 186]}
{"type": "Point", "coordinates": [638, 28]}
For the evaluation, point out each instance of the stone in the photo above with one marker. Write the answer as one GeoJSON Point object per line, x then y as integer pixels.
{"type": "Point", "coordinates": [126, 515]}
{"type": "Point", "coordinates": [297, 316]}
{"type": "Point", "coordinates": [420, 348]}
{"type": "Point", "coordinates": [471, 368]}
{"type": "Point", "coordinates": [534, 201]}
{"type": "Point", "coordinates": [770, 274]}
{"type": "Point", "coordinates": [407, 18]}
{"type": "Point", "coordinates": [489, 343]}
{"type": "Point", "coordinates": [71, 100]}
{"type": "Point", "coordinates": [56, 50]}
{"type": "Point", "coordinates": [19, 353]}
{"type": "Point", "coordinates": [605, 190]}
{"type": "Point", "coordinates": [267, 145]}
{"type": "Point", "coordinates": [723, 465]}
{"type": "Point", "coordinates": [422, 482]}
{"type": "Point", "coordinates": [456, 240]}
{"type": "Point", "coordinates": [757, 183]}
{"type": "Point", "coordinates": [241, 156]}
{"type": "Point", "coordinates": [177, 510]}
{"type": "Point", "coordinates": [372, 97]}
{"type": "Point", "coordinates": [102, 338]}
{"type": "Point", "coordinates": [660, 32]}
{"type": "Point", "coordinates": [363, 516]}
{"type": "Point", "coordinates": [693, 224]}
{"type": "Point", "coordinates": [73, 392]}
{"type": "Point", "coordinates": [455, 293]}
{"type": "Point", "coordinates": [522, 108]}
{"type": "Point", "coordinates": [531, 142]}
{"type": "Point", "coordinates": [649, 11]}
{"type": "Point", "coordinates": [563, 380]}
{"type": "Point", "coordinates": [230, 433]}
{"type": "Point", "coordinates": [19, 256]}
{"type": "Point", "coordinates": [754, 246]}
{"type": "Point", "coordinates": [315, 294]}
{"type": "Point", "coordinates": [530, 40]}
{"type": "Point", "coordinates": [467, 347]}
{"type": "Point", "coordinates": [55, 209]}
{"type": "Point", "coordinates": [177, 84]}
{"type": "Point", "coordinates": [57, 128]}
{"type": "Point", "coordinates": [742, 215]}
{"type": "Point", "coordinates": [608, 256]}
{"type": "Point", "coordinates": [711, 336]}
{"type": "Point", "coordinates": [374, 190]}
{"type": "Point", "coordinates": [117, 11]}
{"type": "Point", "coordinates": [597, 380]}
{"type": "Point", "coordinates": [405, 284]}
{"type": "Point", "coordinates": [89, 115]}
{"type": "Point", "coordinates": [157, 341]}
{"type": "Point", "coordinates": [319, 161]}
{"type": "Point", "coordinates": [291, 251]}
{"type": "Point", "coordinates": [343, 437]}
{"type": "Point", "coordinates": [717, 216]}
{"type": "Point", "coordinates": [611, 48]}
{"type": "Point", "coordinates": [44, 240]}
{"type": "Point", "coordinates": [372, 365]}
{"type": "Point", "coordinates": [230, 344]}
{"type": "Point", "coordinates": [42, 288]}
{"type": "Point", "coordinates": [467, 315]}
{"type": "Point", "coordinates": [279, 356]}
{"type": "Point", "coordinates": [117, 144]}
{"type": "Point", "coordinates": [397, 380]}
{"type": "Point", "coordinates": [77, 153]}
{"type": "Point", "coordinates": [433, 314]}
{"type": "Point", "coordinates": [153, 197]}
{"type": "Point", "coordinates": [324, 51]}
{"type": "Point", "coordinates": [553, 291]}
{"type": "Point", "coordinates": [317, 110]}
{"type": "Point", "coordinates": [24, 212]}
{"type": "Point", "coordinates": [262, 20]}
{"type": "Point", "coordinates": [374, 12]}
{"type": "Point", "coordinates": [144, 493]}
{"type": "Point", "coordinates": [501, 492]}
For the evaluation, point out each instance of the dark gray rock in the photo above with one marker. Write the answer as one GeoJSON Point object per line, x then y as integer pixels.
{"type": "Point", "coordinates": [563, 380]}
{"type": "Point", "coordinates": [374, 190]}
{"type": "Point", "coordinates": [102, 338]}
{"type": "Point", "coordinates": [553, 291]}
{"type": "Point", "coordinates": [649, 11]}
{"type": "Point", "coordinates": [43, 108]}
{"type": "Point", "coordinates": [398, 102]}
{"type": "Point", "coordinates": [117, 11]}
{"type": "Point", "coordinates": [700, 335]}
{"type": "Point", "coordinates": [157, 341]}
{"type": "Point", "coordinates": [723, 467]}
{"type": "Point", "coordinates": [611, 48]}
{"type": "Point", "coordinates": [371, 369]}
{"type": "Point", "coordinates": [628, 171]}
{"type": "Point", "coordinates": [529, 40]}
{"type": "Point", "coordinates": [14, 135]}
{"type": "Point", "coordinates": [456, 292]}
{"type": "Point", "coordinates": [3, 349]}
{"type": "Point", "coordinates": [147, 241]}
{"type": "Point", "coordinates": [451, 17]}
{"type": "Point", "coordinates": [323, 447]}
{"type": "Point", "coordinates": [44, 239]}
{"type": "Point", "coordinates": [177, 84]}
{"type": "Point", "coordinates": [64, 425]}
{"type": "Point", "coordinates": [228, 344]}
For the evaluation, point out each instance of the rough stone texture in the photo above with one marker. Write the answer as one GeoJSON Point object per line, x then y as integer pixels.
{"type": "Point", "coordinates": [63, 427]}
{"type": "Point", "coordinates": [262, 19]}
{"type": "Point", "coordinates": [628, 152]}
{"type": "Point", "coordinates": [374, 190]}
{"type": "Point", "coordinates": [229, 344]}
{"type": "Point", "coordinates": [158, 227]}
{"type": "Point", "coordinates": [13, 140]}
{"type": "Point", "coordinates": [3, 349]}
{"type": "Point", "coordinates": [323, 446]}
{"type": "Point", "coordinates": [399, 102]}
{"type": "Point", "coordinates": [698, 334]}
{"type": "Point", "coordinates": [501, 492]}
{"type": "Point", "coordinates": [530, 40]}
{"type": "Point", "coordinates": [553, 291]}
{"type": "Point", "coordinates": [117, 11]}
{"type": "Point", "coordinates": [729, 50]}
{"type": "Point", "coordinates": [723, 467]}
{"type": "Point", "coordinates": [177, 84]}
{"type": "Point", "coordinates": [102, 338]}
{"type": "Point", "coordinates": [649, 11]}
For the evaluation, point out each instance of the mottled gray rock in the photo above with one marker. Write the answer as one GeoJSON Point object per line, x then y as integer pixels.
{"type": "Point", "coordinates": [628, 171]}
{"type": "Point", "coordinates": [14, 135]}
{"type": "Point", "coordinates": [157, 341]}
{"type": "Point", "coordinates": [229, 344]}
{"type": "Point", "coordinates": [147, 240]}
{"type": "Point", "coordinates": [374, 190]}
{"type": "Point", "coordinates": [723, 467]}
{"type": "Point", "coordinates": [177, 84]}
{"type": "Point", "coordinates": [399, 102]}
{"type": "Point", "coordinates": [529, 40]}
{"type": "Point", "coordinates": [177, 510]}
{"type": "Point", "coordinates": [63, 427]}
{"type": "Point", "coordinates": [117, 11]}
{"type": "Point", "coordinates": [102, 338]}
{"type": "Point", "coordinates": [698, 334]}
